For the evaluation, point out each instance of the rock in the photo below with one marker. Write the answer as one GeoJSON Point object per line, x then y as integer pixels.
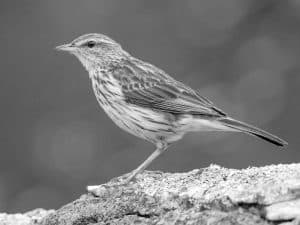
{"type": "Point", "coordinates": [33, 217]}
{"type": "Point", "coordinates": [213, 195]}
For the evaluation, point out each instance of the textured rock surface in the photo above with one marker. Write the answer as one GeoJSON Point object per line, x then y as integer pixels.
{"type": "Point", "coordinates": [214, 195]}
{"type": "Point", "coordinates": [33, 217]}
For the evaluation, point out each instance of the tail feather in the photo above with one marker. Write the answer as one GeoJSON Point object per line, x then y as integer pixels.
{"type": "Point", "coordinates": [246, 128]}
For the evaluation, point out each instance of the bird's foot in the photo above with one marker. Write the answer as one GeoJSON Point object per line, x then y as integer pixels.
{"type": "Point", "coordinates": [111, 187]}
{"type": "Point", "coordinates": [103, 189]}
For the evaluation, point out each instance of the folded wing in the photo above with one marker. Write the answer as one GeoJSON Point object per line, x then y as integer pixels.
{"type": "Point", "coordinates": [149, 87]}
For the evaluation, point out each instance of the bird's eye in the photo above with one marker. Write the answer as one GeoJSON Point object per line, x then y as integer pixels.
{"type": "Point", "coordinates": [91, 44]}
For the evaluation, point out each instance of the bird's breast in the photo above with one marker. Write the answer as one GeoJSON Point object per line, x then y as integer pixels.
{"type": "Point", "coordinates": [106, 86]}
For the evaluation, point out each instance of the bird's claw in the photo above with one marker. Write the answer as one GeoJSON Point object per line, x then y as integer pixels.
{"type": "Point", "coordinates": [111, 187]}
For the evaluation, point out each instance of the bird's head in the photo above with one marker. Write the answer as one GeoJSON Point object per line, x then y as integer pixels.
{"type": "Point", "coordinates": [95, 50]}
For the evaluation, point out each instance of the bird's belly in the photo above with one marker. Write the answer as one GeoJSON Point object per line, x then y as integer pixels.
{"type": "Point", "coordinates": [141, 122]}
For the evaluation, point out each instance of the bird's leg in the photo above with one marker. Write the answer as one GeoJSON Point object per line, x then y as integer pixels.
{"type": "Point", "coordinates": [160, 149]}
{"type": "Point", "coordinates": [96, 190]}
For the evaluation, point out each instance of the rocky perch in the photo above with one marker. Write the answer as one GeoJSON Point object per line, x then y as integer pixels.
{"type": "Point", "coordinates": [213, 195]}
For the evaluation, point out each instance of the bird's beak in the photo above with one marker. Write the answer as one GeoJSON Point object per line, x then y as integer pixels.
{"type": "Point", "coordinates": [65, 47]}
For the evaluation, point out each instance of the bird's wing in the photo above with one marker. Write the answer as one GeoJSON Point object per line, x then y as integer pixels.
{"type": "Point", "coordinates": [147, 86]}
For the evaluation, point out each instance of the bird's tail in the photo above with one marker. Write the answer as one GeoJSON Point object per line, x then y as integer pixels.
{"type": "Point", "coordinates": [246, 128]}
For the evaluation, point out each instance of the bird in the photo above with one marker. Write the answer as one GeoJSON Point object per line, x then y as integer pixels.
{"type": "Point", "coordinates": [145, 101]}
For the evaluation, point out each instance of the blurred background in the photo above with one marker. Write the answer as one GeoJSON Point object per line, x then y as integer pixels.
{"type": "Point", "coordinates": [54, 137]}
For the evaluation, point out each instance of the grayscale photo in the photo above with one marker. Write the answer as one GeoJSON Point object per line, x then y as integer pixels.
{"type": "Point", "coordinates": [150, 112]}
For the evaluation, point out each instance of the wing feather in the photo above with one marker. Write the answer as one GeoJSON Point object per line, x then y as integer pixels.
{"type": "Point", "coordinates": [148, 86]}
